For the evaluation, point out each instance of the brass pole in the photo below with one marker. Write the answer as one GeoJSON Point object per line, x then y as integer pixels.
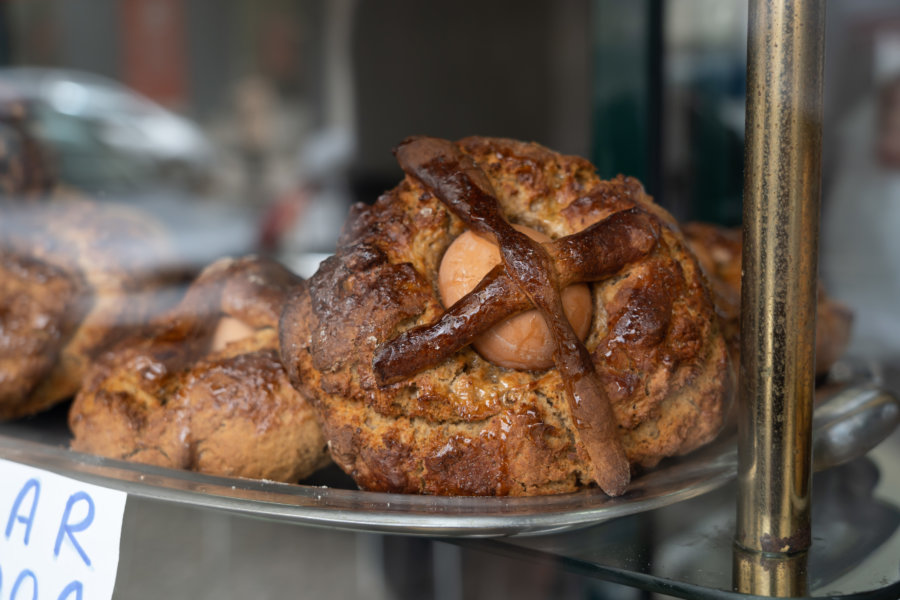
{"type": "Point", "coordinates": [781, 575]}
{"type": "Point", "coordinates": [782, 170]}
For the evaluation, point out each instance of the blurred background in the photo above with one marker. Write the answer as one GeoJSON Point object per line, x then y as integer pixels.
{"type": "Point", "coordinates": [253, 125]}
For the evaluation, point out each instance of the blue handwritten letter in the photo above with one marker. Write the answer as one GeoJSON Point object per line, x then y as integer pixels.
{"type": "Point", "coordinates": [31, 484]}
{"type": "Point", "coordinates": [65, 528]}
{"type": "Point", "coordinates": [14, 594]}
{"type": "Point", "coordinates": [73, 588]}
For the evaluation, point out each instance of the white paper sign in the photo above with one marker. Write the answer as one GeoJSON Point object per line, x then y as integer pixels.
{"type": "Point", "coordinates": [59, 538]}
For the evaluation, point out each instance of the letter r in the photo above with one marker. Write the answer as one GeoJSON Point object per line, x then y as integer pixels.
{"type": "Point", "coordinates": [68, 529]}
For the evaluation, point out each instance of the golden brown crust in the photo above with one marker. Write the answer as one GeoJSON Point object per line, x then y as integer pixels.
{"type": "Point", "coordinates": [718, 250]}
{"type": "Point", "coordinates": [109, 255]}
{"type": "Point", "coordinates": [33, 325]}
{"type": "Point", "coordinates": [466, 426]}
{"type": "Point", "coordinates": [165, 399]}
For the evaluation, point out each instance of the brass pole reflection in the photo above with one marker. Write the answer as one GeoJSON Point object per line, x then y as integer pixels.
{"type": "Point", "coordinates": [782, 171]}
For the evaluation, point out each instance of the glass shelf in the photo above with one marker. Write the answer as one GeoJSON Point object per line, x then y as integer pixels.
{"type": "Point", "coordinates": [686, 550]}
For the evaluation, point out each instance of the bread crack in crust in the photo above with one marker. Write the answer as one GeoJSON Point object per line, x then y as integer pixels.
{"type": "Point", "coordinates": [465, 426]}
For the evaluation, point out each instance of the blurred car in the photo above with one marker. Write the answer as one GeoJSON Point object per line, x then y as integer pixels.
{"type": "Point", "coordinates": [104, 137]}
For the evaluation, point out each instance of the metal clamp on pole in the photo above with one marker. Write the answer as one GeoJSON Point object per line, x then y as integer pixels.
{"type": "Point", "coordinates": [782, 169]}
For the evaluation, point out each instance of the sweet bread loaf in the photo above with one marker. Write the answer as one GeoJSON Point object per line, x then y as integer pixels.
{"type": "Point", "coordinates": [75, 275]}
{"type": "Point", "coordinates": [189, 394]}
{"type": "Point", "coordinates": [406, 403]}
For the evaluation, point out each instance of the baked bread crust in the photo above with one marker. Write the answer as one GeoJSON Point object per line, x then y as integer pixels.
{"type": "Point", "coordinates": [39, 309]}
{"type": "Point", "coordinates": [82, 275]}
{"type": "Point", "coordinates": [164, 398]}
{"type": "Point", "coordinates": [466, 426]}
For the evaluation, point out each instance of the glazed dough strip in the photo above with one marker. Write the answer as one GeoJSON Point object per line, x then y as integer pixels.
{"type": "Point", "coordinates": [593, 254]}
{"type": "Point", "coordinates": [460, 184]}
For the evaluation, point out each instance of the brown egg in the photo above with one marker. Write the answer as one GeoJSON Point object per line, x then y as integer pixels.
{"type": "Point", "coordinates": [228, 330]}
{"type": "Point", "coordinates": [522, 341]}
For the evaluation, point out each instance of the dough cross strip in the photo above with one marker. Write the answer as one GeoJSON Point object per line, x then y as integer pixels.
{"type": "Point", "coordinates": [592, 254]}
{"type": "Point", "coordinates": [531, 274]}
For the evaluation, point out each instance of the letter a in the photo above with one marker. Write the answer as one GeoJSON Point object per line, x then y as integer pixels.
{"type": "Point", "coordinates": [31, 484]}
